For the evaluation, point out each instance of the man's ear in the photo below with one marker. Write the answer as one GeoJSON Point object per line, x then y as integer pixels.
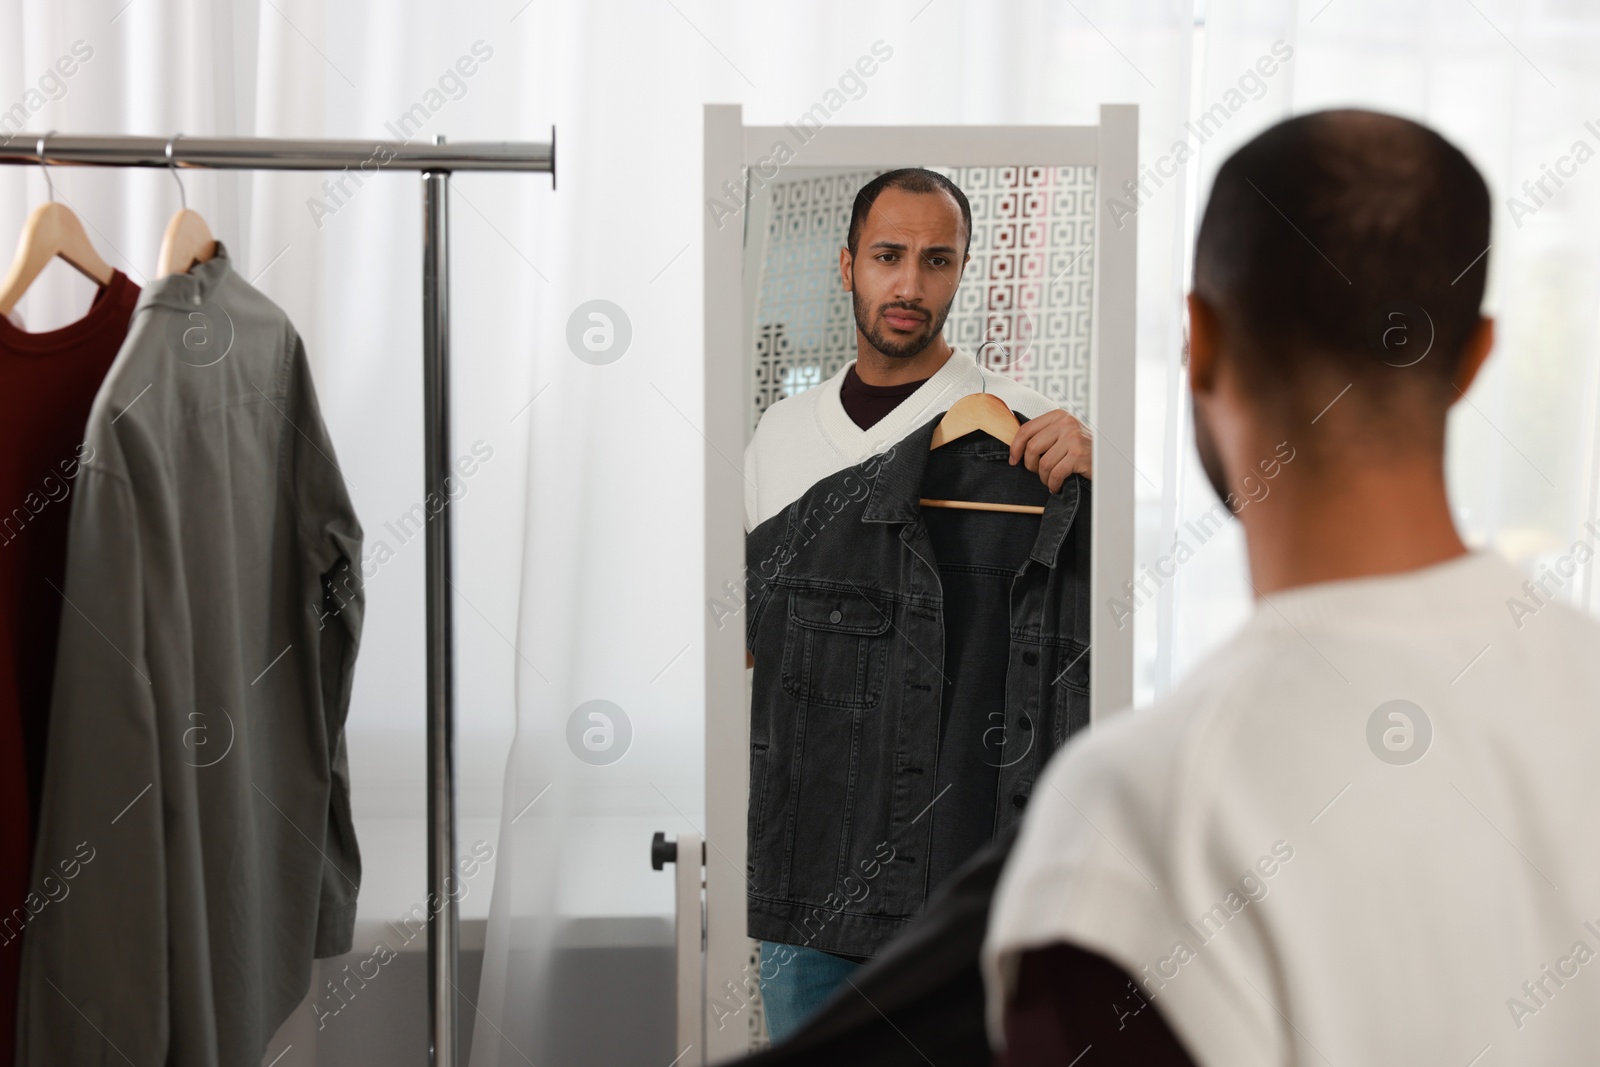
{"type": "Point", "coordinates": [847, 269]}
{"type": "Point", "coordinates": [1479, 343]}
{"type": "Point", "coordinates": [1202, 345]}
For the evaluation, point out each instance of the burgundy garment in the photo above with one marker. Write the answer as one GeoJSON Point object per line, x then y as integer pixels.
{"type": "Point", "coordinates": [1069, 999]}
{"type": "Point", "coordinates": [47, 383]}
{"type": "Point", "coordinates": [867, 404]}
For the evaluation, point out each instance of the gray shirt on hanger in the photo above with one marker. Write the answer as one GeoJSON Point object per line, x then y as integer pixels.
{"type": "Point", "coordinates": [196, 848]}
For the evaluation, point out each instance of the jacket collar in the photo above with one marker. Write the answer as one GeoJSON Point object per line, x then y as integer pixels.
{"type": "Point", "coordinates": [185, 292]}
{"type": "Point", "coordinates": [897, 483]}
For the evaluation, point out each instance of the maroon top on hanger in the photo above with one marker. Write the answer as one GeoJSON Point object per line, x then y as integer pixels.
{"type": "Point", "coordinates": [47, 383]}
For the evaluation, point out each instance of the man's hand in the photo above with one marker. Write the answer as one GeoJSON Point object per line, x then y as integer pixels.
{"type": "Point", "coordinates": [1055, 444]}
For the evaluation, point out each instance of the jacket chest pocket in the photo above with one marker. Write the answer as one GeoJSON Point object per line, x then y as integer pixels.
{"type": "Point", "coordinates": [836, 648]}
{"type": "Point", "coordinates": [1070, 686]}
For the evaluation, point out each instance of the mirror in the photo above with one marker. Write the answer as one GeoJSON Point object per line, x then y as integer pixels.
{"type": "Point", "coordinates": [832, 858]}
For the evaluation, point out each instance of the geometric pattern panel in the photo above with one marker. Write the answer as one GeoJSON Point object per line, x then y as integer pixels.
{"type": "Point", "coordinates": [1023, 308]}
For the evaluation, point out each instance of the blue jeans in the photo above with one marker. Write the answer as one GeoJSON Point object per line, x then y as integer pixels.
{"type": "Point", "coordinates": [795, 982]}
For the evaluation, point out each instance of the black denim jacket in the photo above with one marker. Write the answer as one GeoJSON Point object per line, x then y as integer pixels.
{"type": "Point", "coordinates": [846, 628]}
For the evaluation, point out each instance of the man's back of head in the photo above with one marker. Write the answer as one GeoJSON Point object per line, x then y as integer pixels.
{"type": "Point", "coordinates": [1347, 247]}
{"type": "Point", "coordinates": [1339, 269]}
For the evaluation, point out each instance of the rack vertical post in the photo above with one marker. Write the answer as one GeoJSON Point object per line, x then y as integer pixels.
{"type": "Point", "coordinates": [444, 931]}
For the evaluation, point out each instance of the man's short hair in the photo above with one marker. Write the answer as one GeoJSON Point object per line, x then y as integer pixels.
{"type": "Point", "coordinates": [912, 180]}
{"type": "Point", "coordinates": [1323, 238]}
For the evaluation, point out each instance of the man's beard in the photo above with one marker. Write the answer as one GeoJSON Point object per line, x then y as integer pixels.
{"type": "Point", "coordinates": [889, 346]}
{"type": "Point", "coordinates": [1210, 460]}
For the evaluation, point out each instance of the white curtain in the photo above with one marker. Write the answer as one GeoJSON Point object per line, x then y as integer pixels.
{"type": "Point", "coordinates": [578, 576]}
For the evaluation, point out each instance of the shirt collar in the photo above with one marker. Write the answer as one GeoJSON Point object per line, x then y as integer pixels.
{"type": "Point", "coordinates": [185, 292]}
{"type": "Point", "coordinates": [896, 477]}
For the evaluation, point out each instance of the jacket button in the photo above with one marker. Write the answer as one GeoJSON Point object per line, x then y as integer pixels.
{"type": "Point", "coordinates": [837, 616]}
{"type": "Point", "coordinates": [1020, 800]}
{"type": "Point", "coordinates": [1027, 723]}
{"type": "Point", "coordinates": [1030, 658]}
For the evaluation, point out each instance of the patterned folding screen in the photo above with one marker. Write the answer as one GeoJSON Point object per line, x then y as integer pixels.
{"type": "Point", "coordinates": [1023, 308]}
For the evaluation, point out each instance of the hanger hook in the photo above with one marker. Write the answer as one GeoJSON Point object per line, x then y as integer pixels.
{"type": "Point", "coordinates": [44, 166]}
{"type": "Point", "coordinates": [183, 197]}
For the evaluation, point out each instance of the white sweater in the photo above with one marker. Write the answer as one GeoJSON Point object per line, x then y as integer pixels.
{"type": "Point", "coordinates": [803, 438]}
{"type": "Point", "coordinates": [1362, 833]}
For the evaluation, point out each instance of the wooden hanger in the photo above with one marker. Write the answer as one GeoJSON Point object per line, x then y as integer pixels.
{"type": "Point", "coordinates": [188, 239]}
{"type": "Point", "coordinates": [978, 411]}
{"type": "Point", "coordinates": [52, 230]}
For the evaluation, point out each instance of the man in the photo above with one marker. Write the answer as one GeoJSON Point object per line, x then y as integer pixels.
{"type": "Point", "coordinates": [1362, 833]}
{"type": "Point", "coordinates": [908, 244]}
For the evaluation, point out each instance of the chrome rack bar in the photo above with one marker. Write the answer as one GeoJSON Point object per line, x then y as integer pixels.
{"type": "Point", "coordinates": [271, 153]}
{"type": "Point", "coordinates": [436, 162]}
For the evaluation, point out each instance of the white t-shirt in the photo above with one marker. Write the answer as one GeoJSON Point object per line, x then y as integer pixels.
{"type": "Point", "coordinates": [1256, 853]}
{"type": "Point", "coordinates": [802, 439]}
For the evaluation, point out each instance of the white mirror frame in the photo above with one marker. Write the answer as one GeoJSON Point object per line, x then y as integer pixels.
{"type": "Point", "coordinates": [730, 147]}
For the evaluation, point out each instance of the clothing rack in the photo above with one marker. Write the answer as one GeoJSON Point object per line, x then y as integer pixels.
{"type": "Point", "coordinates": [436, 162]}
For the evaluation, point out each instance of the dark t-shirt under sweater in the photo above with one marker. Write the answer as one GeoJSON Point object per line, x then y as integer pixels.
{"type": "Point", "coordinates": [866, 404]}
